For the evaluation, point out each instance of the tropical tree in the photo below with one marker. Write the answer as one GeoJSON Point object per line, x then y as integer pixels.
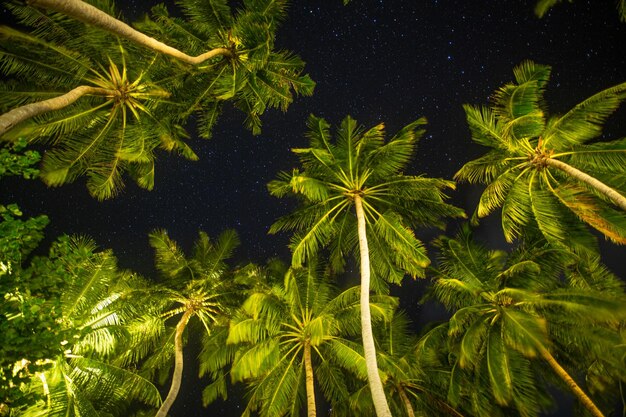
{"type": "Point", "coordinates": [97, 101]}
{"type": "Point", "coordinates": [415, 374]}
{"type": "Point", "coordinates": [249, 72]}
{"type": "Point", "coordinates": [192, 287]}
{"type": "Point", "coordinates": [291, 324]}
{"type": "Point", "coordinates": [84, 300]}
{"type": "Point", "coordinates": [240, 64]}
{"type": "Point", "coordinates": [543, 6]}
{"type": "Point", "coordinates": [360, 170]}
{"type": "Point", "coordinates": [549, 173]}
{"type": "Point", "coordinates": [125, 101]}
{"type": "Point", "coordinates": [513, 311]}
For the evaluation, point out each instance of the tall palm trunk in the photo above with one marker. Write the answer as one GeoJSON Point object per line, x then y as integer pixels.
{"type": "Point", "coordinates": [578, 392]}
{"type": "Point", "coordinates": [373, 377]}
{"type": "Point", "coordinates": [178, 365]}
{"type": "Point", "coordinates": [407, 403]}
{"type": "Point", "coordinates": [310, 388]}
{"type": "Point", "coordinates": [613, 195]}
{"type": "Point", "coordinates": [11, 118]}
{"type": "Point", "coordinates": [86, 13]}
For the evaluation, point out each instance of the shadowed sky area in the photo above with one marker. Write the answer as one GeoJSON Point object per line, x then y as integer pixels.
{"type": "Point", "coordinates": [386, 61]}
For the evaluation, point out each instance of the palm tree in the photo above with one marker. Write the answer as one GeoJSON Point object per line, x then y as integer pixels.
{"type": "Point", "coordinates": [96, 302]}
{"type": "Point", "coordinates": [251, 73]}
{"type": "Point", "coordinates": [414, 380]}
{"type": "Point", "coordinates": [549, 173]}
{"type": "Point", "coordinates": [240, 65]}
{"type": "Point", "coordinates": [360, 170]}
{"type": "Point", "coordinates": [293, 322]}
{"type": "Point", "coordinates": [124, 101]}
{"type": "Point", "coordinates": [512, 310]}
{"type": "Point", "coordinates": [543, 6]}
{"type": "Point", "coordinates": [112, 119]}
{"type": "Point", "coordinates": [196, 287]}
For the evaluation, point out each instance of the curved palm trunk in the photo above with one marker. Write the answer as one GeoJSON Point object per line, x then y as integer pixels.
{"type": "Point", "coordinates": [11, 118]}
{"type": "Point", "coordinates": [178, 365]}
{"type": "Point", "coordinates": [407, 403]}
{"type": "Point", "coordinates": [308, 372]}
{"type": "Point", "coordinates": [612, 194]}
{"type": "Point", "coordinates": [373, 377]}
{"type": "Point", "coordinates": [86, 13]}
{"type": "Point", "coordinates": [578, 392]}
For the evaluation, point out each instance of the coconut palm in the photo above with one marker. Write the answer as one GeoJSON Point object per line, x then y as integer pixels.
{"type": "Point", "coordinates": [353, 191]}
{"type": "Point", "coordinates": [511, 311]}
{"type": "Point", "coordinates": [416, 372]}
{"type": "Point", "coordinates": [249, 71]}
{"type": "Point", "coordinates": [549, 173]}
{"type": "Point", "coordinates": [98, 102]}
{"type": "Point", "coordinates": [192, 287]}
{"type": "Point", "coordinates": [240, 63]}
{"type": "Point", "coordinates": [543, 6]}
{"type": "Point", "coordinates": [96, 303]}
{"type": "Point", "coordinates": [292, 323]}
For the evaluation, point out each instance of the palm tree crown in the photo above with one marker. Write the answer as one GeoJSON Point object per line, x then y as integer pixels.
{"type": "Point", "coordinates": [363, 172]}
{"type": "Point", "coordinates": [248, 71]}
{"type": "Point", "coordinates": [510, 310]}
{"type": "Point", "coordinates": [195, 288]}
{"type": "Point", "coordinates": [289, 331]}
{"type": "Point", "coordinates": [549, 173]}
{"type": "Point", "coordinates": [361, 165]}
{"type": "Point", "coordinates": [99, 102]}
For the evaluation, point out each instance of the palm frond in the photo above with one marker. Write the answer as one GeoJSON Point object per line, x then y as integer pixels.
{"type": "Point", "coordinates": [170, 259]}
{"type": "Point", "coordinates": [584, 122]}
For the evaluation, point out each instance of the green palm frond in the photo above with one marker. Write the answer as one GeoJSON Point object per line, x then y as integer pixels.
{"type": "Point", "coordinates": [517, 210]}
{"type": "Point", "coordinates": [607, 157]}
{"type": "Point", "coordinates": [483, 169]}
{"type": "Point", "coordinates": [521, 170]}
{"type": "Point", "coordinates": [551, 217]}
{"type": "Point", "coordinates": [584, 121]}
{"type": "Point", "coordinates": [599, 215]}
{"type": "Point", "coordinates": [410, 252]}
{"type": "Point", "coordinates": [391, 158]}
{"type": "Point", "coordinates": [510, 309]}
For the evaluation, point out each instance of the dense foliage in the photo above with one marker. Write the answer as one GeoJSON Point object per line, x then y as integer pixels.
{"type": "Point", "coordinates": [83, 337]}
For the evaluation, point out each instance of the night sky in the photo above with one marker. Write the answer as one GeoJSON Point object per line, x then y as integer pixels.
{"type": "Point", "coordinates": [378, 61]}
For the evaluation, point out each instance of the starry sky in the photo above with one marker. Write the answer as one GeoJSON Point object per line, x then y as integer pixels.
{"type": "Point", "coordinates": [386, 61]}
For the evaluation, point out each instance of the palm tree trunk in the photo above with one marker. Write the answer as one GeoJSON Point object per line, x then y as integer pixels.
{"type": "Point", "coordinates": [407, 403]}
{"type": "Point", "coordinates": [308, 371]}
{"type": "Point", "coordinates": [373, 377]}
{"type": "Point", "coordinates": [578, 392]}
{"type": "Point", "coordinates": [612, 194]}
{"type": "Point", "coordinates": [11, 118]}
{"type": "Point", "coordinates": [86, 13]}
{"type": "Point", "coordinates": [178, 365]}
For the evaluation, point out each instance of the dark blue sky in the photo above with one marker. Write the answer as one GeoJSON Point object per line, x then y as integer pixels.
{"type": "Point", "coordinates": [383, 60]}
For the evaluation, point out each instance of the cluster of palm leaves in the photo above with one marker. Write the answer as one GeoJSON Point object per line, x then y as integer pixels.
{"type": "Point", "coordinates": [106, 104]}
{"type": "Point", "coordinates": [545, 314]}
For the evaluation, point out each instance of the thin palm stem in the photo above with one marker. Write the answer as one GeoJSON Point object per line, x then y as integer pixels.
{"type": "Point", "coordinates": [573, 386]}
{"type": "Point", "coordinates": [308, 370]}
{"type": "Point", "coordinates": [13, 117]}
{"type": "Point", "coordinates": [178, 365]}
{"type": "Point", "coordinates": [604, 189]}
{"type": "Point", "coordinates": [93, 16]}
{"type": "Point", "coordinates": [406, 402]}
{"type": "Point", "coordinates": [369, 348]}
